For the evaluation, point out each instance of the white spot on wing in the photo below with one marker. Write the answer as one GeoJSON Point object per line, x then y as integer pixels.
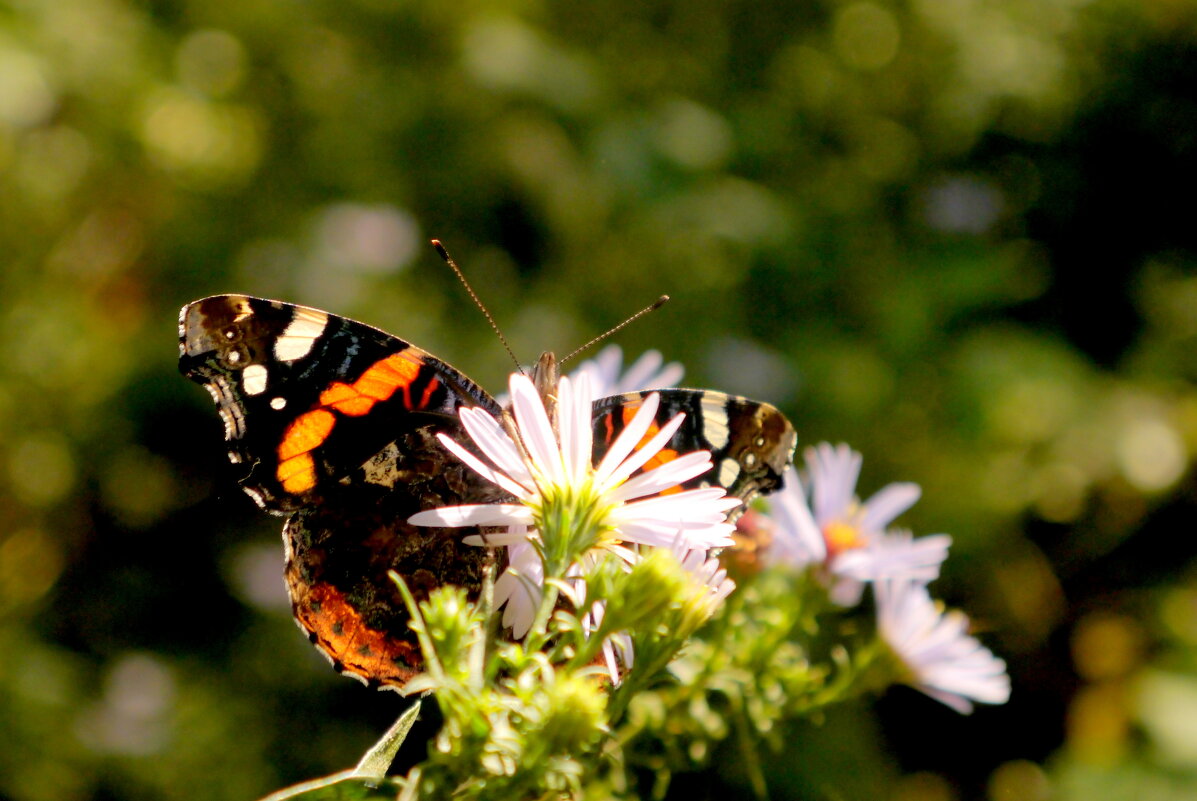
{"type": "Point", "coordinates": [714, 425]}
{"type": "Point", "coordinates": [301, 333]}
{"type": "Point", "coordinates": [254, 379]}
{"type": "Point", "coordinates": [729, 471]}
{"type": "Point", "coordinates": [278, 403]}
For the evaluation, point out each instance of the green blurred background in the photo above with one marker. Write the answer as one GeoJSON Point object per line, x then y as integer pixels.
{"type": "Point", "coordinates": [958, 234]}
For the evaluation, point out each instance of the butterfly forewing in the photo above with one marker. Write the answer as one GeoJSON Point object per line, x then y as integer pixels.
{"type": "Point", "coordinates": [307, 397]}
{"type": "Point", "coordinates": [335, 423]}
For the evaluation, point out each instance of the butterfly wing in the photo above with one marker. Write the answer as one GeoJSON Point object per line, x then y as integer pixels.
{"type": "Point", "coordinates": [334, 423]}
{"type": "Point", "coordinates": [750, 442]}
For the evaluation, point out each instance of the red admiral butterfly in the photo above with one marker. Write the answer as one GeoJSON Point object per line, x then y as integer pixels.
{"type": "Point", "coordinates": [333, 424]}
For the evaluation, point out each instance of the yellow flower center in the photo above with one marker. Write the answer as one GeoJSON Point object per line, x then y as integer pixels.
{"type": "Point", "coordinates": [841, 536]}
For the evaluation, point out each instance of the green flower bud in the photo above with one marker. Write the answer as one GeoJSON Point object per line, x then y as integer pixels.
{"type": "Point", "coordinates": [575, 714]}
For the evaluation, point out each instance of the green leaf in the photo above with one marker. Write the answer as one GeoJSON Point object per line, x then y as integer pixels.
{"type": "Point", "coordinates": [343, 786]}
{"type": "Point", "coordinates": [367, 781]}
{"type": "Point", "coordinates": [379, 758]}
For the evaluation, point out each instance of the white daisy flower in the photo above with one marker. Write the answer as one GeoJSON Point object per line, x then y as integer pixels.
{"type": "Point", "coordinates": [565, 506]}
{"type": "Point", "coordinates": [709, 573]}
{"type": "Point", "coordinates": [934, 646]}
{"type": "Point", "coordinates": [648, 372]}
{"type": "Point", "coordinates": [848, 538]}
{"type": "Point", "coordinates": [518, 589]}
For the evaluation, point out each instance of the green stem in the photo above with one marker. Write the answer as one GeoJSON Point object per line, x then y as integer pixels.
{"type": "Point", "coordinates": [538, 634]}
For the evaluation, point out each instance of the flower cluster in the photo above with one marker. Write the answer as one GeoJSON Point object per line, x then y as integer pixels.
{"type": "Point", "coordinates": [618, 569]}
{"type": "Point", "coordinates": [569, 514]}
{"type": "Point", "coordinates": [822, 525]}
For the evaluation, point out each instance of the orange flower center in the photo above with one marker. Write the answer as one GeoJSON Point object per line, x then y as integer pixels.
{"type": "Point", "coordinates": [841, 536]}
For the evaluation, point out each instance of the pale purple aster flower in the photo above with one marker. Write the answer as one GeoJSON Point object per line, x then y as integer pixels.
{"type": "Point", "coordinates": [940, 657]}
{"type": "Point", "coordinates": [846, 537]}
{"type": "Point", "coordinates": [648, 372]}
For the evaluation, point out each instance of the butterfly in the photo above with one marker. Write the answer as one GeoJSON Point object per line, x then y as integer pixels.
{"type": "Point", "coordinates": [333, 424]}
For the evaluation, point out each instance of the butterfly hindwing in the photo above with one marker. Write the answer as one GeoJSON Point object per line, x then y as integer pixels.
{"type": "Point", "coordinates": [750, 442]}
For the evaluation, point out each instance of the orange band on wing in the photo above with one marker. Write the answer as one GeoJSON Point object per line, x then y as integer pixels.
{"type": "Point", "coordinates": [298, 474]}
{"type": "Point", "coordinates": [661, 457]}
{"type": "Point", "coordinates": [308, 431]}
{"type": "Point", "coordinates": [376, 384]}
{"type": "Point", "coordinates": [297, 469]}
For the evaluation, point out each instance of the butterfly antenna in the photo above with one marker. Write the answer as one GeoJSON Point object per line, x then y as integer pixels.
{"type": "Point", "coordinates": [658, 303]}
{"type": "Point", "coordinates": [436, 243]}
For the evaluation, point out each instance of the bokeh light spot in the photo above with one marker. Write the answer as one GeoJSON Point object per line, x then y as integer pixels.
{"type": "Point", "coordinates": [1020, 780]}
{"type": "Point", "coordinates": [209, 143]}
{"type": "Point", "coordinates": [1178, 612]}
{"type": "Point", "coordinates": [1060, 491]}
{"type": "Point", "coordinates": [693, 135]}
{"type": "Point", "coordinates": [962, 205]}
{"type": "Point", "coordinates": [256, 576]}
{"type": "Point", "coordinates": [1032, 409]}
{"type": "Point", "coordinates": [369, 239]}
{"type": "Point", "coordinates": [211, 62]}
{"type": "Point", "coordinates": [132, 716]}
{"type": "Point", "coordinates": [1099, 723]}
{"type": "Point", "coordinates": [54, 160]}
{"type": "Point", "coordinates": [26, 96]}
{"type": "Point", "coordinates": [506, 54]}
{"type": "Point", "coordinates": [747, 368]}
{"type": "Point", "coordinates": [30, 563]}
{"type": "Point", "coordinates": [1151, 454]}
{"type": "Point", "coordinates": [923, 786]}
{"type": "Point", "coordinates": [41, 469]}
{"type": "Point", "coordinates": [138, 487]}
{"type": "Point", "coordinates": [1166, 703]}
{"type": "Point", "coordinates": [884, 150]}
{"type": "Point", "coordinates": [1106, 646]}
{"type": "Point", "coordinates": [866, 36]}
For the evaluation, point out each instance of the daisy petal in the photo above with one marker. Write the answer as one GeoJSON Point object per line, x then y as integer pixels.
{"type": "Point", "coordinates": [796, 539]}
{"type": "Point", "coordinates": [488, 514]}
{"type": "Point", "coordinates": [535, 429]}
{"type": "Point", "coordinates": [667, 475]}
{"type": "Point", "coordinates": [631, 435]}
{"type": "Point", "coordinates": [496, 445]}
{"type": "Point", "coordinates": [645, 452]}
{"type": "Point", "coordinates": [481, 468]}
{"type": "Point", "coordinates": [888, 503]}
{"type": "Point", "coordinates": [833, 475]}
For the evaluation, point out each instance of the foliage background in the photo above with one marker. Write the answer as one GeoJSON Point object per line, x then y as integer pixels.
{"type": "Point", "coordinates": [957, 234]}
